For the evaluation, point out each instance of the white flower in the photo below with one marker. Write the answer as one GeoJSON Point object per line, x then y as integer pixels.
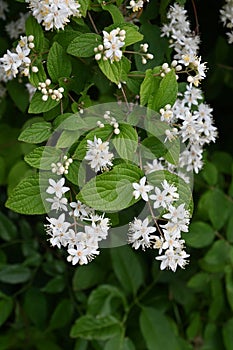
{"type": "Point", "coordinates": [135, 5]}
{"type": "Point", "coordinates": [168, 260]}
{"type": "Point", "coordinates": [159, 198]}
{"type": "Point", "coordinates": [178, 216]}
{"type": "Point", "coordinates": [141, 189]}
{"type": "Point", "coordinates": [80, 209]}
{"type": "Point", "coordinates": [57, 229]}
{"type": "Point", "coordinates": [15, 28]}
{"type": "Point", "coordinates": [58, 203]}
{"type": "Point", "coordinates": [81, 254]}
{"type": "Point", "coordinates": [10, 62]}
{"type": "Point", "coordinates": [57, 187]}
{"type": "Point", "coordinates": [112, 44]}
{"type": "Point", "coordinates": [98, 155]}
{"type": "Point", "coordinates": [150, 168]}
{"type": "Point", "coordinates": [54, 13]}
{"type": "Point", "coordinates": [139, 233]}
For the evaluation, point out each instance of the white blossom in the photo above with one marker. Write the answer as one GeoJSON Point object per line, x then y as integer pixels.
{"type": "Point", "coordinates": [141, 189]}
{"type": "Point", "coordinates": [57, 188]}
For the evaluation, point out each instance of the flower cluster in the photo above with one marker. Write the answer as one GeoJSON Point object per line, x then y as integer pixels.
{"type": "Point", "coordinates": [111, 120]}
{"type": "Point", "coordinates": [15, 28]}
{"type": "Point", "coordinates": [46, 90]}
{"type": "Point", "coordinates": [74, 225]}
{"type": "Point", "coordinates": [54, 14]}
{"type": "Point", "coordinates": [111, 47]}
{"type": "Point", "coordinates": [18, 61]}
{"type": "Point", "coordinates": [226, 16]}
{"type": "Point", "coordinates": [61, 168]}
{"type": "Point", "coordinates": [185, 44]}
{"type": "Point", "coordinates": [145, 56]}
{"type": "Point", "coordinates": [98, 154]}
{"type": "Point", "coordinates": [176, 218]}
{"type": "Point", "coordinates": [135, 6]}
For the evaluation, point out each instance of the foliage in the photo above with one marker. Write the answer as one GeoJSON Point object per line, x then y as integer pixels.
{"type": "Point", "coordinates": [121, 300]}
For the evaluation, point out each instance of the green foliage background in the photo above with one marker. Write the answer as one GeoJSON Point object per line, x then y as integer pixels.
{"type": "Point", "coordinates": [122, 301]}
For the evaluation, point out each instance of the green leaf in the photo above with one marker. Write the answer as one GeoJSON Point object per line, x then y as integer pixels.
{"type": "Point", "coordinates": [64, 37]}
{"type": "Point", "coordinates": [223, 162]}
{"type": "Point", "coordinates": [228, 334]}
{"type": "Point", "coordinates": [58, 63]}
{"type": "Point", "coordinates": [166, 93]}
{"type": "Point", "coordinates": [229, 285]}
{"type": "Point", "coordinates": [218, 207]}
{"type": "Point", "coordinates": [73, 174]}
{"type": "Point", "coordinates": [200, 235]}
{"type": "Point", "coordinates": [36, 78]}
{"type": "Point", "coordinates": [19, 94]}
{"type": "Point", "coordinates": [150, 85]}
{"type": "Point", "coordinates": [116, 71]}
{"type": "Point", "coordinates": [33, 28]}
{"type": "Point", "coordinates": [132, 35]}
{"type": "Point", "coordinates": [126, 142]}
{"type": "Point", "coordinates": [127, 268]}
{"type": "Point", "coordinates": [157, 331]}
{"type": "Point", "coordinates": [6, 307]}
{"type": "Point", "coordinates": [2, 170]}
{"type": "Point", "coordinates": [55, 285]}
{"type": "Point", "coordinates": [88, 276]}
{"type": "Point", "coordinates": [100, 301]}
{"type": "Point", "coordinates": [115, 12]}
{"type": "Point", "coordinates": [18, 172]}
{"type": "Point", "coordinates": [210, 173]}
{"type": "Point", "coordinates": [42, 157]}
{"type": "Point", "coordinates": [185, 194]}
{"type": "Point", "coordinates": [25, 198]}
{"type": "Point", "coordinates": [62, 315]}
{"type": "Point", "coordinates": [218, 299]}
{"type": "Point", "coordinates": [216, 257]}
{"type": "Point", "coordinates": [119, 343]}
{"type": "Point", "coordinates": [84, 7]}
{"type": "Point", "coordinates": [36, 133]}
{"type": "Point", "coordinates": [152, 36]}
{"type": "Point", "coordinates": [113, 190]}
{"type": "Point", "coordinates": [229, 230]}
{"type": "Point", "coordinates": [35, 306]}
{"type": "Point", "coordinates": [84, 44]}
{"type": "Point", "coordinates": [199, 281]}
{"type": "Point", "coordinates": [89, 327]}
{"type": "Point", "coordinates": [8, 229]}
{"type": "Point", "coordinates": [152, 147]}
{"type": "Point", "coordinates": [14, 273]}
{"type": "Point", "coordinates": [67, 138]}
{"type": "Point", "coordinates": [37, 105]}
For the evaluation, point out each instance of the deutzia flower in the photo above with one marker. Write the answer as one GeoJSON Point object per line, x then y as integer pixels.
{"type": "Point", "coordinates": [54, 13]}
{"type": "Point", "coordinates": [80, 209]}
{"type": "Point", "coordinates": [98, 154]}
{"type": "Point", "coordinates": [81, 254]}
{"type": "Point", "coordinates": [112, 44]}
{"type": "Point", "coordinates": [141, 189]}
{"type": "Point", "coordinates": [57, 187]}
{"type": "Point", "coordinates": [135, 5]}
{"type": "Point", "coordinates": [15, 28]}
{"type": "Point", "coordinates": [139, 233]}
{"type": "Point", "coordinates": [57, 229]}
{"type": "Point", "coordinates": [58, 203]}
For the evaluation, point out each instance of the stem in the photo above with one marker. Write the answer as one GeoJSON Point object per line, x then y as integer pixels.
{"type": "Point", "coordinates": [93, 23]}
{"type": "Point", "coordinates": [196, 17]}
{"type": "Point", "coordinates": [125, 98]}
